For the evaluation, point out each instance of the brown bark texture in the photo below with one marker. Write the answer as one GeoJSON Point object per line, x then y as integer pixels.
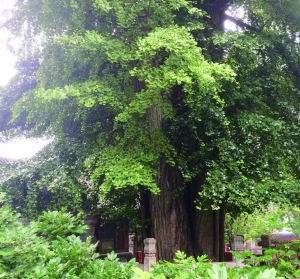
{"type": "Point", "coordinates": [178, 225]}
{"type": "Point", "coordinates": [176, 222]}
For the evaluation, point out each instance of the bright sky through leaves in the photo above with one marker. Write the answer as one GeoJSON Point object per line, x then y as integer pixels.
{"type": "Point", "coordinates": [7, 59]}
{"type": "Point", "coordinates": [20, 148]}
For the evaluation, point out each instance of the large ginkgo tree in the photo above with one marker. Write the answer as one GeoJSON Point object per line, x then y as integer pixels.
{"type": "Point", "coordinates": [197, 118]}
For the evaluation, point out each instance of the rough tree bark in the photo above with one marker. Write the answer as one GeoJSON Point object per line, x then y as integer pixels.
{"type": "Point", "coordinates": [170, 217]}
{"type": "Point", "coordinates": [176, 223]}
{"type": "Point", "coordinates": [179, 225]}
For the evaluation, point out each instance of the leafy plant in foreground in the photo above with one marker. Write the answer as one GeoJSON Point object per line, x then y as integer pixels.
{"type": "Point", "coordinates": [49, 249]}
{"type": "Point", "coordinates": [21, 251]}
{"type": "Point", "coordinates": [182, 266]}
{"type": "Point", "coordinates": [59, 223]}
{"type": "Point", "coordinates": [208, 271]}
{"type": "Point", "coordinates": [284, 258]}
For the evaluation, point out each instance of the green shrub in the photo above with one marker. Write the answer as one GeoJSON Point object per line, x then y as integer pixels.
{"type": "Point", "coordinates": [190, 269]}
{"type": "Point", "coordinates": [59, 223]}
{"type": "Point", "coordinates": [284, 258]}
{"type": "Point", "coordinates": [21, 251]}
{"type": "Point", "coordinates": [110, 268]}
{"type": "Point", "coordinates": [185, 267]}
{"type": "Point", "coordinates": [49, 249]}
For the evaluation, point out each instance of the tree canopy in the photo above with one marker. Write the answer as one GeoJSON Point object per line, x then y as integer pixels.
{"type": "Point", "coordinates": [157, 98]}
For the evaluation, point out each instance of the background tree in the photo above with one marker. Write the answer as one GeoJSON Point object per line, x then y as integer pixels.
{"type": "Point", "coordinates": [189, 115]}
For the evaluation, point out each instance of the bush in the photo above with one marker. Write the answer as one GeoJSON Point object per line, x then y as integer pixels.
{"type": "Point", "coordinates": [284, 258]}
{"type": "Point", "coordinates": [185, 267]}
{"type": "Point", "coordinates": [59, 223]}
{"type": "Point", "coordinates": [21, 251]}
{"type": "Point", "coordinates": [49, 249]}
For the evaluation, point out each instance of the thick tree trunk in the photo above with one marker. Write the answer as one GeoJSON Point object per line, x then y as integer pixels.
{"type": "Point", "coordinates": [222, 233]}
{"type": "Point", "coordinates": [176, 223]}
{"type": "Point", "coordinates": [169, 214]}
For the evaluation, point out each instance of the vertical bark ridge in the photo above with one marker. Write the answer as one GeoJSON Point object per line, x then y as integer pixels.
{"type": "Point", "coordinates": [222, 233]}
{"type": "Point", "coordinates": [170, 218]}
{"type": "Point", "coordinates": [205, 234]}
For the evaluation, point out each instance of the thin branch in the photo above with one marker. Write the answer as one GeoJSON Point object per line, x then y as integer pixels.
{"type": "Point", "coordinates": [279, 46]}
{"type": "Point", "coordinates": [241, 24]}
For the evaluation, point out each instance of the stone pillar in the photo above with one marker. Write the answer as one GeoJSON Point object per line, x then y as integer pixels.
{"type": "Point", "coordinates": [150, 253]}
{"type": "Point", "coordinates": [131, 243]}
{"type": "Point", "coordinates": [237, 243]}
{"type": "Point", "coordinates": [90, 222]}
{"type": "Point", "coordinates": [265, 241]}
{"type": "Point", "coordinates": [266, 244]}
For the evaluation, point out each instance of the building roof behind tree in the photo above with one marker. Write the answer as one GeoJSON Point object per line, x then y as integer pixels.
{"type": "Point", "coordinates": [4, 160]}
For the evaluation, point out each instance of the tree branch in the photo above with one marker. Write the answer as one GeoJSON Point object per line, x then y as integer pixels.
{"type": "Point", "coordinates": [241, 24]}
{"type": "Point", "coordinates": [279, 46]}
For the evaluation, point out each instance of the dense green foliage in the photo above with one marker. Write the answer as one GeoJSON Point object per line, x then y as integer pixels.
{"type": "Point", "coordinates": [57, 253]}
{"type": "Point", "coordinates": [50, 249]}
{"type": "Point", "coordinates": [188, 267]}
{"type": "Point", "coordinates": [284, 258]}
{"type": "Point", "coordinates": [263, 221]}
{"type": "Point", "coordinates": [243, 132]}
{"type": "Point", "coordinates": [133, 89]}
